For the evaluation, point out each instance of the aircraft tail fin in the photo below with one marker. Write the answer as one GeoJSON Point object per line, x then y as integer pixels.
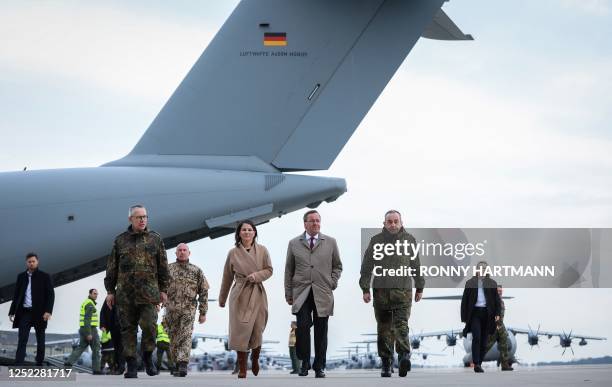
{"type": "Point", "coordinates": [282, 78]}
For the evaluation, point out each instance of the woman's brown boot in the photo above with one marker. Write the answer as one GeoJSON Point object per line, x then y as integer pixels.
{"type": "Point", "coordinates": [242, 364]}
{"type": "Point", "coordinates": [255, 360]}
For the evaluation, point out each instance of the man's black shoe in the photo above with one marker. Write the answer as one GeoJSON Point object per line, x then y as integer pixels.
{"type": "Point", "coordinates": [147, 358]}
{"type": "Point", "coordinates": [305, 367]}
{"type": "Point", "coordinates": [404, 364]}
{"type": "Point", "coordinates": [319, 374]}
{"type": "Point", "coordinates": [478, 369]}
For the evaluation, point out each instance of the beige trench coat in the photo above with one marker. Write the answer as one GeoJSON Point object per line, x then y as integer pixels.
{"type": "Point", "coordinates": [248, 303]}
{"type": "Point", "coordinates": [318, 270]}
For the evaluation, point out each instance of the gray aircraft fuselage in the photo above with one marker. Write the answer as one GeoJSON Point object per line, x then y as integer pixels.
{"type": "Point", "coordinates": [71, 216]}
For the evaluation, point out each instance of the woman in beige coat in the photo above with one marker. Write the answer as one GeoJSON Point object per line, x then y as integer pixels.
{"type": "Point", "coordinates": [247, 266]}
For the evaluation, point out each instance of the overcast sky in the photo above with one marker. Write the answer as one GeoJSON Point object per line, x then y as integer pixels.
{"type": "Point", "coordinates": [509, 130]}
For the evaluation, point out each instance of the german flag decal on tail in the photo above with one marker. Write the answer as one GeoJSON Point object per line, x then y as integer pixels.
{"type": "Point", "coordinates": [275, 39]}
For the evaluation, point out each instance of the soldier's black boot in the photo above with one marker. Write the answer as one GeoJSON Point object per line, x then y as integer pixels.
{"type": "Point", "coordinates": [147, 358]}
{"type": "Point", "coordinates": [404, 364]}
{"type": "Point", "coordinates": [182, 369]}
{"type": "Point", "coordinates": [132, 368]}
{"type": "Point", "coordinates": [385, 372]}
{"type": "Point", "coordinates": [506, 367]}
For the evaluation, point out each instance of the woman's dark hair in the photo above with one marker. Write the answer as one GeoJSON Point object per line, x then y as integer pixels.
{"type": "Point", "coordinates": [237, 234]}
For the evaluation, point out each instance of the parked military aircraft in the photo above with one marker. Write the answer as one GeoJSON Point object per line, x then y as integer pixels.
{"type": "Point", "coordinates": [221, 148]}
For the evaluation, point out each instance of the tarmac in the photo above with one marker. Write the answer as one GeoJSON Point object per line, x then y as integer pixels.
{"type": "Point", "coordinates": [591, 375]}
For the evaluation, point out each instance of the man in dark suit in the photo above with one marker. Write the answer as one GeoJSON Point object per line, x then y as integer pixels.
{"type": "Point", "coordinates": [109, 322]}
{"type": "Point", "coordinates": [32, 307]}
{"type": "Point", "coordinates": [312, 271]}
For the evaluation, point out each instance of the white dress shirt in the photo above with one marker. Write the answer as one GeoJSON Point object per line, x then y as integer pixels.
{"type": "Point", "coordinates": [481, 301]}
{"type": "Point", "coordinates": [27, 301]}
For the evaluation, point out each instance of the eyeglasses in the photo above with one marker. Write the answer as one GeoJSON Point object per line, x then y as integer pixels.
{"type": "Point", "coordinates": [313, 221]}
{"type": "Point", "coordinates": [142, 217]}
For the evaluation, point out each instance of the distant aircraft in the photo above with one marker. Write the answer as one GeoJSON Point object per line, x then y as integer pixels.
{"type": "Point", "coordinates": [370, 359]}
{"type": "Point", "coordinates": [565, 339]}
{"type": "Point", "coordinates": [451, 336]}
{"type": "Point", "coordinates": [281, 88]}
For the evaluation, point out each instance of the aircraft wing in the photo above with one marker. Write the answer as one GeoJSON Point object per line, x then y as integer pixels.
{"type": "Point", "coordinates": [420, 353]}
{"type": "Point", "coordinates": [62, 341]}
{"type": "Point", "coordinates": [451, 332]}
{"type": "Point", "coordinates": [550, 334]}
{"type": "Point", "coordinates": [206, 336]}
{"type": "Point", "coordinates": [456, 297]}
{"type": "Point", "coordinates": [211, 337]}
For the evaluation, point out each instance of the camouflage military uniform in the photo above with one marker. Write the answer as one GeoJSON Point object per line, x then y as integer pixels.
{"type": "Point", "coordinates": [501, 337]}
{"type": "Point", "coordinates": [392, 295]}
{"type": "Point", "coordinates": [136, 272]}
{"type": "Point", "coordinates": [188, 285]}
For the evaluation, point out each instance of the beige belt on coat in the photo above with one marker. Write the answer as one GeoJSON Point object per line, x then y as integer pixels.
{"type": "Point", "coordinates": [250, 287]}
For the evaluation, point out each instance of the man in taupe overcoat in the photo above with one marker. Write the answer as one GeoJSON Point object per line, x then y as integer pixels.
{"type": "Point", "coordinates": [312, 272]}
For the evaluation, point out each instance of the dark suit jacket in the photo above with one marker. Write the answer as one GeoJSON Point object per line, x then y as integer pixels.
{"type": "Point", "coordinates": [43, 296]}
{"type": "Point", "coordinates": [108, 317]}
{"type": "Point", "coordinates": [470, 295]}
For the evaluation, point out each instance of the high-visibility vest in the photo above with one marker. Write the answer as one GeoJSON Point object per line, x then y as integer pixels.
{"type": "Point", "coordinates": [105, 338]}
{"type": "Point", "coordinates": [94, 316]}
{"type": "Point", "coordinates": [162, 336]}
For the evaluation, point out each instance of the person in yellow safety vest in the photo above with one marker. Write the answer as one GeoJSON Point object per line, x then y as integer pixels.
{"type": "Point", "coordinates": [88, 333]}
{"type": "Point", "coordinates": [108, 352]}
{"type": "Point", "coordinates": [163, 345]}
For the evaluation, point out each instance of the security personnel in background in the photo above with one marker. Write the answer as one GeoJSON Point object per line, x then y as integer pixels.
{"type": "Point", "coordinates": [392, 295]}
{"type": "Point", "coordinates": [501, 336]}
{"type": "Point", "coordinates": [187, 292]}
{"type": "Point", "coordinates": [88, 333]}
{"type": "Point", "coordinates": [137, 280]}
{"type": "Point", "coordinates": [163, 346]}
{"type": "Point", "coordinates": [108, 352]}
{"type": "Point", "coordinates": [295, 362]}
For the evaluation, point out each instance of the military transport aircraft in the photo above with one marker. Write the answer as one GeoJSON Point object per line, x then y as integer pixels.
{"type": "Point", "coordinates": [276, 75]}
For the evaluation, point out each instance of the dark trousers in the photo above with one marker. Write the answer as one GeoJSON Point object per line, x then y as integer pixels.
{"type": "Point", "coordinates": [26, 322]}
{"type": "Point", "coordinates": [479, 328]}
{"type": "Point", "coordinates": [307, 317]}
{"type": "Point", "coordinates": [295, 364]}
{"type": "Point", "coordinates": [118, 346]}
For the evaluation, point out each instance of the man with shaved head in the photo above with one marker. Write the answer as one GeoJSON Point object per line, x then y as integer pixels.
{"type": "Point", "coordinates": [188, 287]}
{"type": "Point", "coordinates": [392, 295]}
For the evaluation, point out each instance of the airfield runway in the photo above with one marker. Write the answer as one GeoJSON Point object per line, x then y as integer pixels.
{"type": "Point", "coordinates": [522, 376]}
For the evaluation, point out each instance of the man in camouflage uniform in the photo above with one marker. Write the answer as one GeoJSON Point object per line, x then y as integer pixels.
{"type": "Point", "coordinates": [501, 336]}
{"type": "Point", "coordinates": [136, 281]}
{"type": "Point", "coordinates": [392, 295]}
{"type": "Point", "coordinates": [188, 287]}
